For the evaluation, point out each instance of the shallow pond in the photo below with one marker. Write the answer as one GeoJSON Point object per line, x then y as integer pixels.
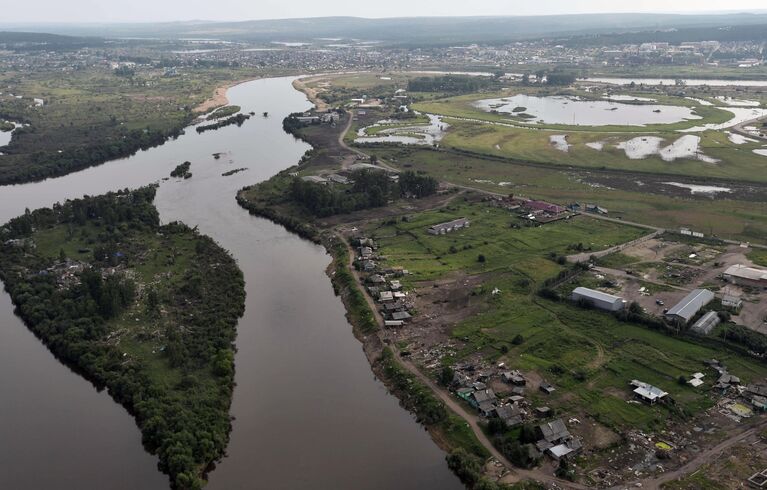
{"type": "Point", "coordinates": [417, 134]}
{"type": "Point", "coordinates": [700, 189]}
{"type": "Point", "coordinates": [5, 136]}
{"type": "Point", "coordinates": [578, 112]}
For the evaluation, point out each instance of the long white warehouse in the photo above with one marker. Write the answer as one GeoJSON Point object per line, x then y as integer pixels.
{"type": "Point", "coordinates": [598, 299]}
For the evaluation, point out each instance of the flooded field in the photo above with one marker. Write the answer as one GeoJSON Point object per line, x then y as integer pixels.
{"type": "Point", "coordinates": [417, 134]}
{"type": "Point", "coordinates": [579, 112]}
{"type": "Point", "coordinates": [692, 82]}
{"type": "Point", "coordinates": [708, 190]}
{"type": "Point", "coordinates": [687, 146]}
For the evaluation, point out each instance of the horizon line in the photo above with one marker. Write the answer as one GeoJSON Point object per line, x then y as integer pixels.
{"type": "Point", "coordinates": [486, 16]}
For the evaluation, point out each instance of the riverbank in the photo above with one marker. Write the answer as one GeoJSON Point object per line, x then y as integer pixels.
{"type": "Point", "coordinates": [220, 98]}
{"type": "Point", "coordinates": [449, 431]}
{"type": "Point", "coordinates": [300, 84]}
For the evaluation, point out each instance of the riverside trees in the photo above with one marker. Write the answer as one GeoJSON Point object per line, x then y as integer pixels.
{"type": "Point", "coordinates": [150, 314]}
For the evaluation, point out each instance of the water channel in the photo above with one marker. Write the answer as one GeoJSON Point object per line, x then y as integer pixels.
{"type": "Point", "coordinates": [309, 412]}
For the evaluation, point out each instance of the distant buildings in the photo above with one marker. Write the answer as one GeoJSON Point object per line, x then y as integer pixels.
{"type": "Point", "coordinates": [598, 299]}
{"type": "Point", "coordinates": [685, 310]}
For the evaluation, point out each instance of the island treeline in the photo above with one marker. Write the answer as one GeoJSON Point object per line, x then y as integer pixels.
{"type": "Point", "coordinates": [147, 311]}
{"type": "Point", "coordinates": [452, 84]}
{"type": "Point", "coordinates": [238, 119]}
{"type": "Point", "coordinates": [371, 189]}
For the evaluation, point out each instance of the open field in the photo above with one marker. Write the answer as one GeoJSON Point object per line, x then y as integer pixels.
{"type": "Point", "coordinates": [491, 235]}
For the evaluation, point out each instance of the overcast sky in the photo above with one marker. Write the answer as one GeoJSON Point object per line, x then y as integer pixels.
{"type": "Point", "coordinates": [171, 10]}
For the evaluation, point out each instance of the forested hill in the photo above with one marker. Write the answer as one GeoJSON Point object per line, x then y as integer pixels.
{"type": "Point", "coordinates": [147, 311]}
{"type": "Point", "coordinates": [418, 30]}
{"type": "Point", "coordinates": [51, 42]}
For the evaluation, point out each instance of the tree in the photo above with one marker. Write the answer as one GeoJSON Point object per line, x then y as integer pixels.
{"type": "Point", "coordinates": [446, 376]}
{"type": "Point", "coordinates": [481, 259]}
{"type": "Point", "coordinates": [564, 470]}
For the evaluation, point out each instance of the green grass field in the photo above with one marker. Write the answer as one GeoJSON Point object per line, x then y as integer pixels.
{"type": "Point", "coordinates": [590, 356]}
{"type": "Point", "coordinates": [492, 236]}
{"type": "Point", "coordinates": [728, 218]}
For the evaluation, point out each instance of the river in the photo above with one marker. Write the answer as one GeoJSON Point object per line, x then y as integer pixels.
{"type": "Point", "coordinates": [308, 410]}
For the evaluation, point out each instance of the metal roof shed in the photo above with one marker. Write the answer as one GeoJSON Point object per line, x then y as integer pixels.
{"type": "Point", "coordinates": [706, 323]}
{"type": "Point", "coordinates": [690, 305]}
{"type": "Point", "coordinates": [598, 299]}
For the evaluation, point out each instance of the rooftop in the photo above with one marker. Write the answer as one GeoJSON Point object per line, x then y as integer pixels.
{"type": "Point", "coordinates": [691, 304]}
{"type": "Point", "coordinates": [599, 295]}
{"type": "Point", "coordinates": [744, 272]}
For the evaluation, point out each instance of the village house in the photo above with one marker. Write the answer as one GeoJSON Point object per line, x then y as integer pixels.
{"type": "Point", "coordinates": [509, 413]}
{"type": "Point", "coordinates": [647, 392]}
{"type": "Point", "coordinates": [555, 439]}
{"type": "Point", "coordinates": [546, 388]}
{"type": "Point", "coordinates": [514, 378]}
{"type": "Point", "coordinates": [484, 401]}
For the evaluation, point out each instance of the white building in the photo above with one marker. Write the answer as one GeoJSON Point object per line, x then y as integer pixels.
{"type": "Point", "coordinates": [746, 276]}
{"type": "Point", "coordinates": [598, 299]}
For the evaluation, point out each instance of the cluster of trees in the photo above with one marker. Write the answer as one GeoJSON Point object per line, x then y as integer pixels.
{"type": "Point", "coordinates": [38, 165]}
{"type": "Point", "coordinates": [124, 71]}
{"type": "Point", "coordinates": [753, 341]}
{"type": "Point", "coordinates": [238, 119]}
{"type": "Point", "coordinates": [182, 170]}
{"type": "Point", "coordinates": [417, 184]}
{"type": "Point", "coordinates": [187, 424]}
{"type": "Point", "coordinates": [417, 398]}
{"type": "Point", "coordinates": [371, 189]}
{"type": "Point", "coordinates": [469, 468]}
{"type": "Point", "coordinates": [452, 84]}
{"type": "Point", "coordinates": [516, 445]}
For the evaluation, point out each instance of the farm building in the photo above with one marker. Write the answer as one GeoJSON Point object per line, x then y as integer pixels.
{"type": "Point", "coordinates": [686, 309]}
{"type": "Point", "coordinates": [746, 276]}
{"type": "Point", "coordinates": [731, 301]}
{"type": "Point", "coordinates": [647, 392]}
{"type": "Point", "coordinates": [598, 299]}
{"type": "Point", "coordinates": [315, 179]}
{"type": "Point", "coordinates": [450, 226]}
{"type": "Point", "coordinates": [546, 207]}
{"type": "Point", "coordinates": [706, 323]}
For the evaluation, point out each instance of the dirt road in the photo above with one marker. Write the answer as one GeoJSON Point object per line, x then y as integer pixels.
{"type": "Point", "coordinates": [703, 458]}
